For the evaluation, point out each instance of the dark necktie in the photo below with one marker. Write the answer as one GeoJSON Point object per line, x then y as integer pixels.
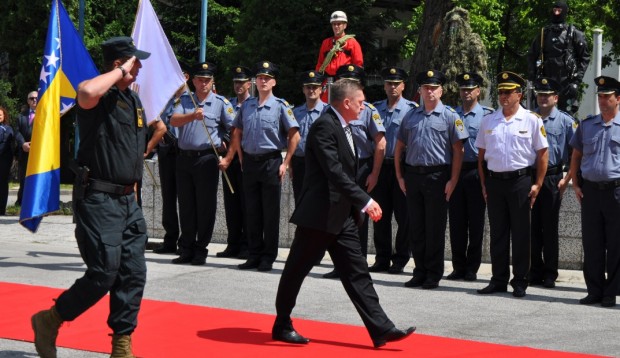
{"type": "Point", "coordinates": [347, 131]}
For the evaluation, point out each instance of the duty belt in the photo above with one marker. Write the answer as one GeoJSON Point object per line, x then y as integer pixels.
{"type": "Point", "coordinates": [510, 175]}
{"type": "Point", "coordinates": [110, 188]}
{"type": "Point", "coordinates": [418, 169]}
{"type": "Point", "coordinates": [262, 157]}
{"type": "Point", "coordinates": [556, 169]}
{"type": "Point", "coordinates": [195, 153]}
{"type": "Point", "coordinates": [603, 185]}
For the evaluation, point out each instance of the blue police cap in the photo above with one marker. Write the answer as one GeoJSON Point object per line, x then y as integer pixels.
{"type": "Point", "coordinates": [431, 77]}
{"type": "Point", "coordinates": [242, 74]}
{"type": "Point", "coordinates": [547, 85]}
{"type": "Point", "coordinates": [469, 80]}
{"type": "Point", "coordinates": [312, 78]}
{"type": "Point", "coordinates": [267, 68]}
{"type": "Point", "coordinates": [394, 74]}
{"type": "Point", "coordinates": [350, 72]}
{"type": "Point", "coordinates": [204, 69]}
{"type": "Point", "coordinates": [607, 85]}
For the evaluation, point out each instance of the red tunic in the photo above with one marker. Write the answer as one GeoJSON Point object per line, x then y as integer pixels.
{"type": "Point", "coordinates": [351, 54]}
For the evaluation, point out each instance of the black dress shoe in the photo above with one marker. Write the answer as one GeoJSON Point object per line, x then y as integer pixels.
{"type": "Point", "coordinates": [535, 282]}
{"type": "Point", "coordinates": [163, 249]}
{"type": "Point", "coordinates": [395, 269]}
{"type": "Point", "coordinates": [430, 284]}
{"type": "Point", "coordinates": [492, 288]}
{"type": "Point", "coordinates": [379, 267]}
{"type": "Point", "coordinates": [183, 259]}
{"type": "Point", "coordinates": [548, 283]}
{"type": "Point", "coordinates": [455, 275]}
{"type": "Point", "coordinates": [392, 335]}
{"type": "Point", "coordinates": [243, 255]}
{"type": "Point", "coordinates": [470, 276]}
{"type": "Point", "coordinates": [286, 333]}
{"type": "Point", "coordinates": [249, 264]}
{"type": "Point", "coordinates": [332, 274]}
{"type": "Point", "coordinates": [590, 300]}
{"type": "Point", "coordinates": [228, 253]}
{"type": "Point", "coordinates": [199, 260]}
{"type": "Point", "coordinates": [608, 301]}
{"type": "Point", "coordinates": [416, 281]}
{"type": "Point", "coordinates": [265, 266]}
{"type": "Point", "coordinates": [518, 292]}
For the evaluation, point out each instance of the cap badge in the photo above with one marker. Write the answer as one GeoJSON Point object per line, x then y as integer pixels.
{"type": "Point", "coordinates": [393, 71]}
{"type": "Point", "coordinates": [311, 74]}
{"type": "Point", "coordinates": [466, 77]}
{"type": "Point", "coordinates": [205, 66]}
{"type": "Point", "coordinates": [505, 76]}
{"type": "Point", "coordinates": [350, 68]}
{"type": "Point", "coordinates": [265, 65]}
{"type": "Point", "coordinates": [601, 81]}
{"type": "Point", "coordinates": [238, 70]}
{"type": "Point", "coordinates": [544, 81]}
{"type": "Point", "coordinates": [430, 74]}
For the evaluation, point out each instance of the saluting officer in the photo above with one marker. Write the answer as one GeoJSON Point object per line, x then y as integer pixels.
{"type": "Point", "coordinates": [264, 126]}
{"type": "Point", "coordinates": [467, 205]}
{"type": "Point", "coordinates": [560, 127]}
{"type": "Point", "coordinates": [433, 137]}
{"type": "Point", "coordinates": [197, 162]}
{"type": "Point", "coordinates": [306, 114]}
{"type": "Point", "coordinates": [511, 140]}
{"type": "Point", "coordinates": [596, 148]}
{"type": "Point", "coordinates": [369, 138]}
{"type": "Point", "coordinates": [387, 192]}
{"type": "Point", "coordinates": [234, 206]}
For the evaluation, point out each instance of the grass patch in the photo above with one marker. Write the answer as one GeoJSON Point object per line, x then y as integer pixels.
{"type": "Point", "coordinates": [65, 209]}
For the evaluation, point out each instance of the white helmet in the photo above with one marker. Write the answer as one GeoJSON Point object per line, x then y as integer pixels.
{"type": "Point", "coordinates": [338, 16]}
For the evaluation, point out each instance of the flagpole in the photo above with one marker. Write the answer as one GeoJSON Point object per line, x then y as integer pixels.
{"type": "Point", "coordinates": [203, 31]}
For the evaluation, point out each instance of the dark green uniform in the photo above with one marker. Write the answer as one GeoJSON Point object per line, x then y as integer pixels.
{"type": "Point", "coordinates": [110, 228]}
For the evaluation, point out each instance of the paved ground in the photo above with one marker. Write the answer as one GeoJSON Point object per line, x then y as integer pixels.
{"type": "Point", "coordinates": [545, 318]}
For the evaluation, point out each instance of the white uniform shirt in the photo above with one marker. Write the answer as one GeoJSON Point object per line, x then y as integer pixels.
{"type": "Point", "coordinates": [511, 145]}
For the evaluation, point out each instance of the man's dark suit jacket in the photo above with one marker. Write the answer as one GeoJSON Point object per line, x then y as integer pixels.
{"type": "Point", "coordinates": [329, 193]}
{"type": "Point", "coordinates": [24, 130]}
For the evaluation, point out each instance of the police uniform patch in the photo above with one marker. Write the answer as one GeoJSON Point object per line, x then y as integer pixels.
{"type": "Point", "coordinates": [230, 110]}
{"type": "Point", "coordinates": [371, 106]}
{"type": "Point", "coordinates": [543, 132]}
{"type": "Point", "coordinates": [575, 125]}
{"type": "Point", "coordinates": [226, 101]}
{"type": "Point", "coordinates": [376, 117]}
{"type": "Point", "coordinates": [290, 113]}
{"type": "Point", "coordinates": [459, 125]}
{"type": "Point", "coordinates": [139, 115]}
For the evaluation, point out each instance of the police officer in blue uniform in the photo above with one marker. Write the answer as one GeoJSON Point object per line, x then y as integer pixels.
{"type": "Point", "coordinates": [596, 148]}
{"type": "Point", "coordinates": [433, 136]}
{"type": "Point", "coordinates": [387, 192]}
{"type": "Point", "coordinates": [167, 162]}
{"type": "Point", "coordinates": [306, 114]}
{"type": "Point", "coordinates": [203, 119]}
{"type": "Point", "coordinates": [110, 228]}
{"type": "Point", "coordinates": [264, 126]}
{"type": "Point", "coordinates": [369, 138]}
{"type": "Point", "coordinates": [234, 207]}
{"type": "Point", "coordinates": [511, 140]}
{"type": "Point", "coordinates": [559, 126]}
{"type": "Point", "coordinates": [467, 206]}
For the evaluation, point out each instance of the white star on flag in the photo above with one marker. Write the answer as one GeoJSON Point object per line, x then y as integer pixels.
{"type": "Point", "coordinates": [52, 59]}
{"type": "Point", "coordinates": [44, 75]}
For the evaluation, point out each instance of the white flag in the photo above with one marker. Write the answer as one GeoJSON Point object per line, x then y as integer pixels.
{"type": "Point", "coordinates": [161, 74]}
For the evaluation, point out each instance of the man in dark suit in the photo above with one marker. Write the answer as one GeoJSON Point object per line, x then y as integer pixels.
{"type": "Point", "coordinates": [330, 206]}
{"type": "Point", "coordinates": [22, 137]}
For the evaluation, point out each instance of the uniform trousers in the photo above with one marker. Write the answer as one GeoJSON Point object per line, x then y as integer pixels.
{"type": "Point", "coordinates": [262, 190]}
{"type": "Point", "coordinates": [600, 226]}
{"type": "Point", "coordinates": [166, 157]}
{"type": "Point", "coordinates": [234, 208]}
{"type": "Point", "coordinates": [111, 236]}
{"type": "Point", "coordinates": [197, 182]}
{"type": "Point", "coordinates": [545, 241]}
{"type": "Point", "coordinates": [428, 216]}
{"type": "Point", "coordinates": [466, 212]}
{"type": "Point", "coordinates": [392, 200]}
{"type": "Point", "coordinates": [345, 250]}
{"type": "Point", "coordinates": [299, 170]}
{"type": "Point", "coordinates": [509, 218]}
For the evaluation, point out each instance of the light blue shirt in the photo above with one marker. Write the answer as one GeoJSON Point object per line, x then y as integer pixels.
{"type": "Point", "coordinates": [429, 136]}
{"type": "Point", "coordinates": [365, 129]}
{"type": "Point", "coordinates": [472, 121]}
{"type": "Point", "coordinates": [392, 120]}
{"type": "Point", "coordinates": [600, 146]}
{"type": "Point", "coordinates": [560, 127]}
{"type": "Point", "coordinates": [305, 118]}
{"type": "Point", "coordinates": [264, 128]}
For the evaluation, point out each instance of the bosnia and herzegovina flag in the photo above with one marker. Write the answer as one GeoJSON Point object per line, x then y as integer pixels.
{"type": "Point", "coordinates": [66, 63]}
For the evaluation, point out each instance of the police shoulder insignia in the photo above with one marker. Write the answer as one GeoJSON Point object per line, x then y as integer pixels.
{"type": "Point", "coordinates": [414, 104]}
{"type": "Point", "coordinates": [459, 124]}
{"type": "Point", "coordinates": [370, 105]}
{"type": "Point", "coordinates": [451, 109]}
{"type": "Point", "coordinates": [225, 100]}
{"type": "Point", "coordinates": [575, 124]}
{"type": "Point", "coordinates": [543, 132]}
{"type": "Point", "coordinates": [536, 114]}
{"type": "Point", "coordinates": [290, 113]}
{"type": "Point", "coordinates": [139, 116]}
{"type": "Point", "coordinates": [376, 117]}
{"type": "Point", "coordinates": [488, 110]}
{"type": "Point", "coordinates": [286, 103]}
{"type": "Point", "coordinates": [230, 110]}
{"type": "Point", "coordinates": [177, 101]}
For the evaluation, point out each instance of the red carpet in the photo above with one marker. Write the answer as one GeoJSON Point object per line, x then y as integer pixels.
{"type": "Point", "coordinates": [169, 329]}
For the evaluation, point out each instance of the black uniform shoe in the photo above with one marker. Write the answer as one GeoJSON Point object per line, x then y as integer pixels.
{"type": "Point", "coordinates": [392, 335]}
{"type": "Point", "coordinates": [470, 276]}
{"type": "Point", "coordinates": [286, 333]}
{"type": "Point", "coordinates": [590, 300]}
{"type": "Point", "coordinates": [536, 282]}
{"type": "Point", "coordinates": [548, 283]}
{"type": "Point", "coordinates": [249, 264]}
{"type": "Point", "coordinates": [395, 269]}
{"type": "Point", "coordinates": [430, 284]}
{"type": "Point", "coordinates": [243, 255]}
{"type": "Point", "coordinates": [228, 253]}
{"type": "Point", "coordinates": [379, 267]}
{"type": "Point", "coordinates": [455, 275]}
{"type": "Point", "coordinates": [265, 266]}
{"type": "Point", "coordinates": [518, 292]}
{"type": "Point", "coordinates": [199, 260]}
{"type": "Point", "coordinates": [608, 301]}
{"type": "Point", "coordinates": [183, 259]}
{"type": "Point", "coordinates": [332, 274]}
{"type": "Point", "coordinates": [163, 249]}
{"type": "Point", "coordinates": [492, 288]}
{"type": "Point", "coordinates": [416, 281]}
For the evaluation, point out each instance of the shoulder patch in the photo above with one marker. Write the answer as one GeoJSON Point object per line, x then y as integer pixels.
{"type": "Point", "coordinates": [290, 114]}
{"type": "Point", "coordinates": [377, 118]}
{"type": "Point", "coordinates": [459, 125]}
{"type": "Point", "coordinates": [575, 124]}
{"type": "Point", "coordinates": [230, 110]}
{"type": "Point", "coordinates": [543, 132]}
{"type": "Point", "coordinates": [537, 115]}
